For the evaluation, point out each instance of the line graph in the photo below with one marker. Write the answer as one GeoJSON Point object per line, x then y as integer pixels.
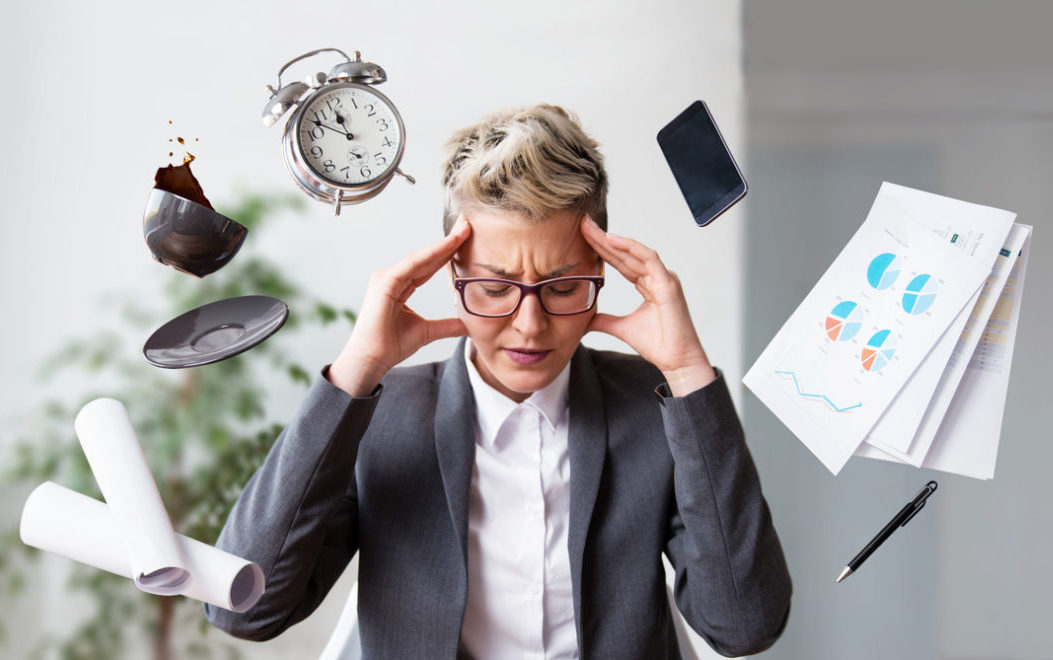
{"type": "Point", "coordinates": [816, 397]}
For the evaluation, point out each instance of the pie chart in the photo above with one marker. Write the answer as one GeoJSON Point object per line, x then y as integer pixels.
{"type": "Point", "coordinates": [920, 294]}
{"type": "Point", "coordinates": [883, 270]}
{"type": "Point", "coordinates": [879, 350]}
{"type": "Point", "coordinates": [844, 321]}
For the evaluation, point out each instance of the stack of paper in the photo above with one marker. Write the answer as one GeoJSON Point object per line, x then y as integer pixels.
{"type": "Point", "coordinates": [902, 350]}
{"type": "Point", "coordinates": [131, 534]}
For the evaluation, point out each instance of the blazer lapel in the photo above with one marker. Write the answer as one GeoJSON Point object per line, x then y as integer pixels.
{"type": "Point", "coordinates": [587, 446]}
{"type": "Point", "coordinates": [455, 442]}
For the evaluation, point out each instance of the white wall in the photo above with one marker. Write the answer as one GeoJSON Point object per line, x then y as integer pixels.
{"type": "Point", "coordinates": [90, 89]}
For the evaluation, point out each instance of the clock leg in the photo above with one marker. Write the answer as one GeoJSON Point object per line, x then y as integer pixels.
{"type": "Point", "coordinates": [337, 200]}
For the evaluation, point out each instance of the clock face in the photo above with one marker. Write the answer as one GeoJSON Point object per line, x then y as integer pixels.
{"type": "Point", "coordinates": [349, 135]}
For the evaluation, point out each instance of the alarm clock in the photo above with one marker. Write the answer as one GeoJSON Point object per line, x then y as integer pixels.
{"type": "Point", "coordinates": [345, 140]}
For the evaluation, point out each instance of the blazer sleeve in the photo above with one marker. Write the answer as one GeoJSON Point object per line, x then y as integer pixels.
{"type": "Point", "coordinates": [297, 516]}
{"type": "Point", "coordinates": [731, 583]}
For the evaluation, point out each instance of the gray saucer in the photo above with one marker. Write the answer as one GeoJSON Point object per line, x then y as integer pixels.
{"type": "Point", "coordinates": [215, 331]}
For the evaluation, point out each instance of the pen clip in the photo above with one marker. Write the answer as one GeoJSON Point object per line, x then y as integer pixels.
{"type": "Point", "coordinates": [920, 499]}
{"type": "Point", "coordinates": [912, 514]}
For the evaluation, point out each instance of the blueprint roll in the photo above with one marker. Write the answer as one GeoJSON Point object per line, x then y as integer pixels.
{"type": "Point", "coordinates": [64, 522]}
{"type": "Point", "coordinates": [116, 458]}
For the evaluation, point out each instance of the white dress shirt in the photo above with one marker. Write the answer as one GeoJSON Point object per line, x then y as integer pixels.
{"type": "Point", "coordinates": [520, 600]}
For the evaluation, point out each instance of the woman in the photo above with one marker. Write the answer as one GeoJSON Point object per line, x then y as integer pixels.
{"type": "Point", "coordinates": [515, 500]}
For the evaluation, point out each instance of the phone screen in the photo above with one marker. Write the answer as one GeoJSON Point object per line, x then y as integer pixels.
{"type": "Point", "coordinates": [701, 163]}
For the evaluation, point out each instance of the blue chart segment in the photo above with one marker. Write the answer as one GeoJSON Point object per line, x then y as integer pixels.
{"type": "Point", "coordinates": [822, 398]}
{"type": "Point", "coordinates": [879, 350]}
{"type": "Point", "coordinates": [883, 270]}
{"type": "Point", "coordinates": [844, 321]}
{"type": "Point", "coordinates": [921, 293]}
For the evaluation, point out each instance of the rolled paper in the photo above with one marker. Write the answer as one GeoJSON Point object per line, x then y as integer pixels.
{"type": "Point", "coordinates": [116, 458]}
{"type": "Point", "coordinates": [67, 523]}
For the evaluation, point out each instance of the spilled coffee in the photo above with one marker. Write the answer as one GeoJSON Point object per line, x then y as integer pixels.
{"type": "Point", "coordinates": [179, 180]}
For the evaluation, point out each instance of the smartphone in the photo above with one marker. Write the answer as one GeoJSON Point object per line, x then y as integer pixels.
{"type": "Point", "coordinates": [703, 166]}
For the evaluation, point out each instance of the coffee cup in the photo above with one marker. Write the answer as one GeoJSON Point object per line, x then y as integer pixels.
{"type": "Point", "coordinates": [188, 236]}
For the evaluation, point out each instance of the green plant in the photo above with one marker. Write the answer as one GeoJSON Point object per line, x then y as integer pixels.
{"type": "Point", "coordinates": [204, 432]}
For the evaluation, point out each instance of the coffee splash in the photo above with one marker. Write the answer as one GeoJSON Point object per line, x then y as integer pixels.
{"type": "Point", "coordinates": [179, 180]}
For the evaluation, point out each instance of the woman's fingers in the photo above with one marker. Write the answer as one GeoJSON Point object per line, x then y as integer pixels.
{"type": "Point", "coordinates": [418, 267]}
{"type": "Point", "coordinates": [607, 323]}
{"type": "Point", "coordinates": [427, 260]}
{"type": "Point", "coordinates": [443, 328]}
{"type": "Point", "coordinates": [636, 249]}
{"type": "Point", "coordinates": [599, 240]}
{"type": "Point", "coordinates": [636, 262]}
{"type": "Point", "coordinates": [617, 326]}
{"type": "Point", "coordinates": [640, 257]}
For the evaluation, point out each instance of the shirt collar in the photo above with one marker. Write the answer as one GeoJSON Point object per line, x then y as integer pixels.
{"type": "Point", "coordinates": [493, 408]}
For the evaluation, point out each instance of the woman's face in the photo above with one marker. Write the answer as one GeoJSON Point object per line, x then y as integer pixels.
{"type": "Point", "coordinates": [524, 352]}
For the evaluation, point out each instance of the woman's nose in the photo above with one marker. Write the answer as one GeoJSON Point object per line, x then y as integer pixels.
{"type": "Point", "coordinates": [530, 319]}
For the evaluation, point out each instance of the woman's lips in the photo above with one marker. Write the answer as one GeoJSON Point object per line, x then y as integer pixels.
{"type": "Point", "coordinates": [524, 356]}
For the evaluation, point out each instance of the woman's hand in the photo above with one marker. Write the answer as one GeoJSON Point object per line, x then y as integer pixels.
{"type": "Point", "coordinates": [387, 330]}
{"type": "Point", "coordinates": [660, 329]}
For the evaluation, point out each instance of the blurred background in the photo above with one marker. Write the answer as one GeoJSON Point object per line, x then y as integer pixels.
{"type": "Point", "coordinates": [954, 98]}
{"type": "Point", "coordinates": [821, 101]}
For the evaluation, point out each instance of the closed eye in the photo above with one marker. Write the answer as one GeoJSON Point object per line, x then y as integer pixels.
{"type": "Point", "coordinates": [564, 288]}
{"type": "Point", "coordinates": [496, 289]}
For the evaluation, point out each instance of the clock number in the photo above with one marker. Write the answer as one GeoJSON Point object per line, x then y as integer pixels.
{"type": "Point", "coordinates": [316, 133]}
{"type": "Point", "coordinates": [365, 172]}
{"type": "Point", "coordinates": [333, 103]}
{"type": "Point", "coordinates": [329, 166]}
{"type": "Point", "coordinates": [387, 141]}
{"type": "Point", "coordinates": [319, 115]}
{"type": "Point", "coordinates": [380, 159]}
{"type": "Point", "coordinates": [316, 152]}
{"type": "Point", "coordinates": [352, 99]}
{"type": "Point", "coordinates": [371, 111]}
{"type": "Point", "coordinates": [347, 171]}
{"type": "Point", "coordinates": [383, 123]}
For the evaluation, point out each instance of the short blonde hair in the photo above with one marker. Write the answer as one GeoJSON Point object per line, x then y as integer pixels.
{"type": "Point", "coordinates": [532, 161]}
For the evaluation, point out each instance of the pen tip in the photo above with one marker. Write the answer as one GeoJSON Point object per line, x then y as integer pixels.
{"type": "Point", "coordinates": [845, 573]}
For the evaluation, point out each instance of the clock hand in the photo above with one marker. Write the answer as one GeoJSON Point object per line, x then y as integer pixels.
{"type": "Point", "coordinates": [334, 129]}
{"type": "Point", "coordinates": [340, 120]}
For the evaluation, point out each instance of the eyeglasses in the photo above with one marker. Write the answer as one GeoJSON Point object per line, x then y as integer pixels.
{"type": "Point", "coordinates": [561, 296]}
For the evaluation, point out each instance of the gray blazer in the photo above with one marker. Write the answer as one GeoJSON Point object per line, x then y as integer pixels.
{"type": "Point", "coordinates": [389, 476]}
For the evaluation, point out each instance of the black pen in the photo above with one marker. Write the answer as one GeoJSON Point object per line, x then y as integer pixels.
{"type": "Point", "coordinates": [901, 519]}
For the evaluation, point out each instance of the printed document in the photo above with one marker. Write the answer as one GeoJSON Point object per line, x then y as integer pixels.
{"type": "Point", "coordinates": [857, 338]}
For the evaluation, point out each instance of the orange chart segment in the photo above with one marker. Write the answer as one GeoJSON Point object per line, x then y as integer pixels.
{"type": "Point", "coordinates": [879, 350]}
{"type": "Point", "coordinates": [844, 321]}
{"type": "Point", "coordinates": [833, 327]}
